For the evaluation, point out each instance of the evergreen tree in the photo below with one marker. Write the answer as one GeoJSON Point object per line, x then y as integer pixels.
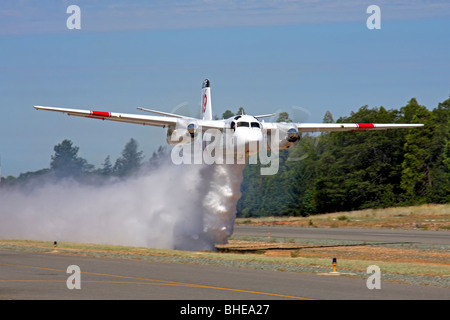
{"type": "Point", "coordinates": [328, 117]}
{"type": "Point", "coordinates": [284, 117]}
{"type": "Point", "coordinates": [240, 111]}
{"type": "Point", "coordinates": [130, 161]}
{"type": "Point", "coordinates": [66, 163]}
{"type": "Point", "coordinates": [361, 169]}
{"type": "Point", "coordinates": [439, 156]}
{"type": "Point", "coordinates": [107, 168]}
{"type": "Point", "coordinates": [159, 157]}
{"type": "Point", "coordinates": [416, 177]}
{"type": "Point", "coordinates": [227, 114]}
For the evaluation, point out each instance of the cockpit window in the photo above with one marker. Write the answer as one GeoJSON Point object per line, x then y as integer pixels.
{"type": "Point", "coordinates": [242, 124]}
{"type": "Point", "coordinates": [255, 125]}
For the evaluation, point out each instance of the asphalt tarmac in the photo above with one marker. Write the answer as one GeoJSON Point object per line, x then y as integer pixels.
{"type": "Point", "coordinates": [42, 276]}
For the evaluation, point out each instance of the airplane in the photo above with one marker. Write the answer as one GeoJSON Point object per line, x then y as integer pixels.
{"type": "Point", "coordinates": [243, 134]}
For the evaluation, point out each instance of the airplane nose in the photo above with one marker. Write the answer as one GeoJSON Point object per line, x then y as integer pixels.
{"type": "Point", "coordinates": [250, 142]}
{"type": "Point", "coordinates": [254, 137]}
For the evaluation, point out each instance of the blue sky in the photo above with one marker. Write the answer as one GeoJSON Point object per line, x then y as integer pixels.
{"type": "Point", "coordinates": [262, 55]}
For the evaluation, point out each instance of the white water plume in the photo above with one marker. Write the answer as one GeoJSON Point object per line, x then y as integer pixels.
{"type": "Point", "coordinates": [187, 207]}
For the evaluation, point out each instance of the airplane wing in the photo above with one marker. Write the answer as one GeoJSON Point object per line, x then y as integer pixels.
{"type": "Point", "coordinates": [329, 127]}
{"type": "Point", "coordinates": [112, 116]}
{"type": "Point", "coordinates": [169, 120]}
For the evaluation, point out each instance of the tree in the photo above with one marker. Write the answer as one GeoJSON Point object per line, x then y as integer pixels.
{"type": "Point", "coordinates": [130, 161]}
{"type": "Point", "coordinates": [240, 111]}
{"type": "Point", "coordinates": [107, 168]}
{"type": "Point", "coordinates": [227, 114]}
{"type": "Point", "coordinates": [439, 155]}
{"type": "Point", "coordinates": [159, 157]}
{"type": "Point", "coordinates": [416, 178]}
{"type": "Point", "coordinates": [328, 117]}
{"type": "Point", "coordinates": [359, 170]}
{"type": "Point", "coordinates": [283, 117]}
{"type": "Point", "coordinates": [66, 163]}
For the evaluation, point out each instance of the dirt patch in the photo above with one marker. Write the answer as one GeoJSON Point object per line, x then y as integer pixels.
{"type": "Point", "coordinates": [399, 257]}
{"type": "Point", "coordinates": [403, 255]}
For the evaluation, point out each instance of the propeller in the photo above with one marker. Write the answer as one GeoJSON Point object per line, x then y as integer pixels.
{"type": "Point", "coordinates": [296, 114]}
{"type": "Point", "coordinates": [184, 109]}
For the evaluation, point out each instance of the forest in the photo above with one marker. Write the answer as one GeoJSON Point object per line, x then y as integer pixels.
{"type": "Point", "coordinates": [328, 172]}
{"type": "Point", "coordinates": [341, 171]}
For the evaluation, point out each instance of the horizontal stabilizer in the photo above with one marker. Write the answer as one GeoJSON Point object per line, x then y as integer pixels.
{"type": "Point", "coordinates": [162, 113]}
{"type": "Point", "coordinates": [265, 115]}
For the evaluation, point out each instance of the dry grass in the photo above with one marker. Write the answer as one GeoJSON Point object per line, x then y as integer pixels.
{"type": "Point", "coordinates": [426, 217]}
{"type": "Point", "coordinates": [407, 260]}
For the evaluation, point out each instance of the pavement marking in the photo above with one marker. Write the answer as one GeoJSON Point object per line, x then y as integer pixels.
{"type": "Point", "coordinates": [147, 281]}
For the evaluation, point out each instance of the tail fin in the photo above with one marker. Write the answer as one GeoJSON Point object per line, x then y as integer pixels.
{"type": "Point", "coordinates": [206, 101]}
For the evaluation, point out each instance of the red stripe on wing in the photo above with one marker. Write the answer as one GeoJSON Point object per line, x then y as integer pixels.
{"type": "Point", "coordinates": [364, 126]}
{"type": "Point", "coordinates": [100, 114]}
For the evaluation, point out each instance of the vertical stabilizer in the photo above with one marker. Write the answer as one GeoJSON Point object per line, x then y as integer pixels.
{"type": "Point", "coordinates": [206, 101]}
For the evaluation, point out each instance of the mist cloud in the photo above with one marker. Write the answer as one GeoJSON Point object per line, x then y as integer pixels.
{"type": "Point", "coordinates": [187, 207]}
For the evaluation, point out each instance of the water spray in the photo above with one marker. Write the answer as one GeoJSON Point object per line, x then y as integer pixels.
{"type": "Point", "coordinates": [187, 207]}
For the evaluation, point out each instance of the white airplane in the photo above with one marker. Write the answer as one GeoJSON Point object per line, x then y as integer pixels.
{"type": "Point", "coordinates": [240, 132]}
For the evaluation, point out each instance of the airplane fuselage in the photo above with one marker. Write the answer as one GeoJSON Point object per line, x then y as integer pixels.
{"type": "Point", "coordinates": [246, 134]}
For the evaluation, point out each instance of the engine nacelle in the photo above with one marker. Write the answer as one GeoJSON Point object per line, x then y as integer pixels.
{"type": "Point", "coordinates": [183, 133]}
{"type": "Point", "coordinates": [292, 135]}
{"type": "Point", "coordinates": [287, 137]}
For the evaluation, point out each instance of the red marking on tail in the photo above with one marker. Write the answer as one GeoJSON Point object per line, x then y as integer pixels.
{"type": "Point", "coordinates": [205, 100]}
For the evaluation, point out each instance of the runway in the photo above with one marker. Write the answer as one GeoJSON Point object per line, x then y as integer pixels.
{"type": "Point", "coordinates": [354, 234]}
{"type": "Point", "coordinates": [43, 276]}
